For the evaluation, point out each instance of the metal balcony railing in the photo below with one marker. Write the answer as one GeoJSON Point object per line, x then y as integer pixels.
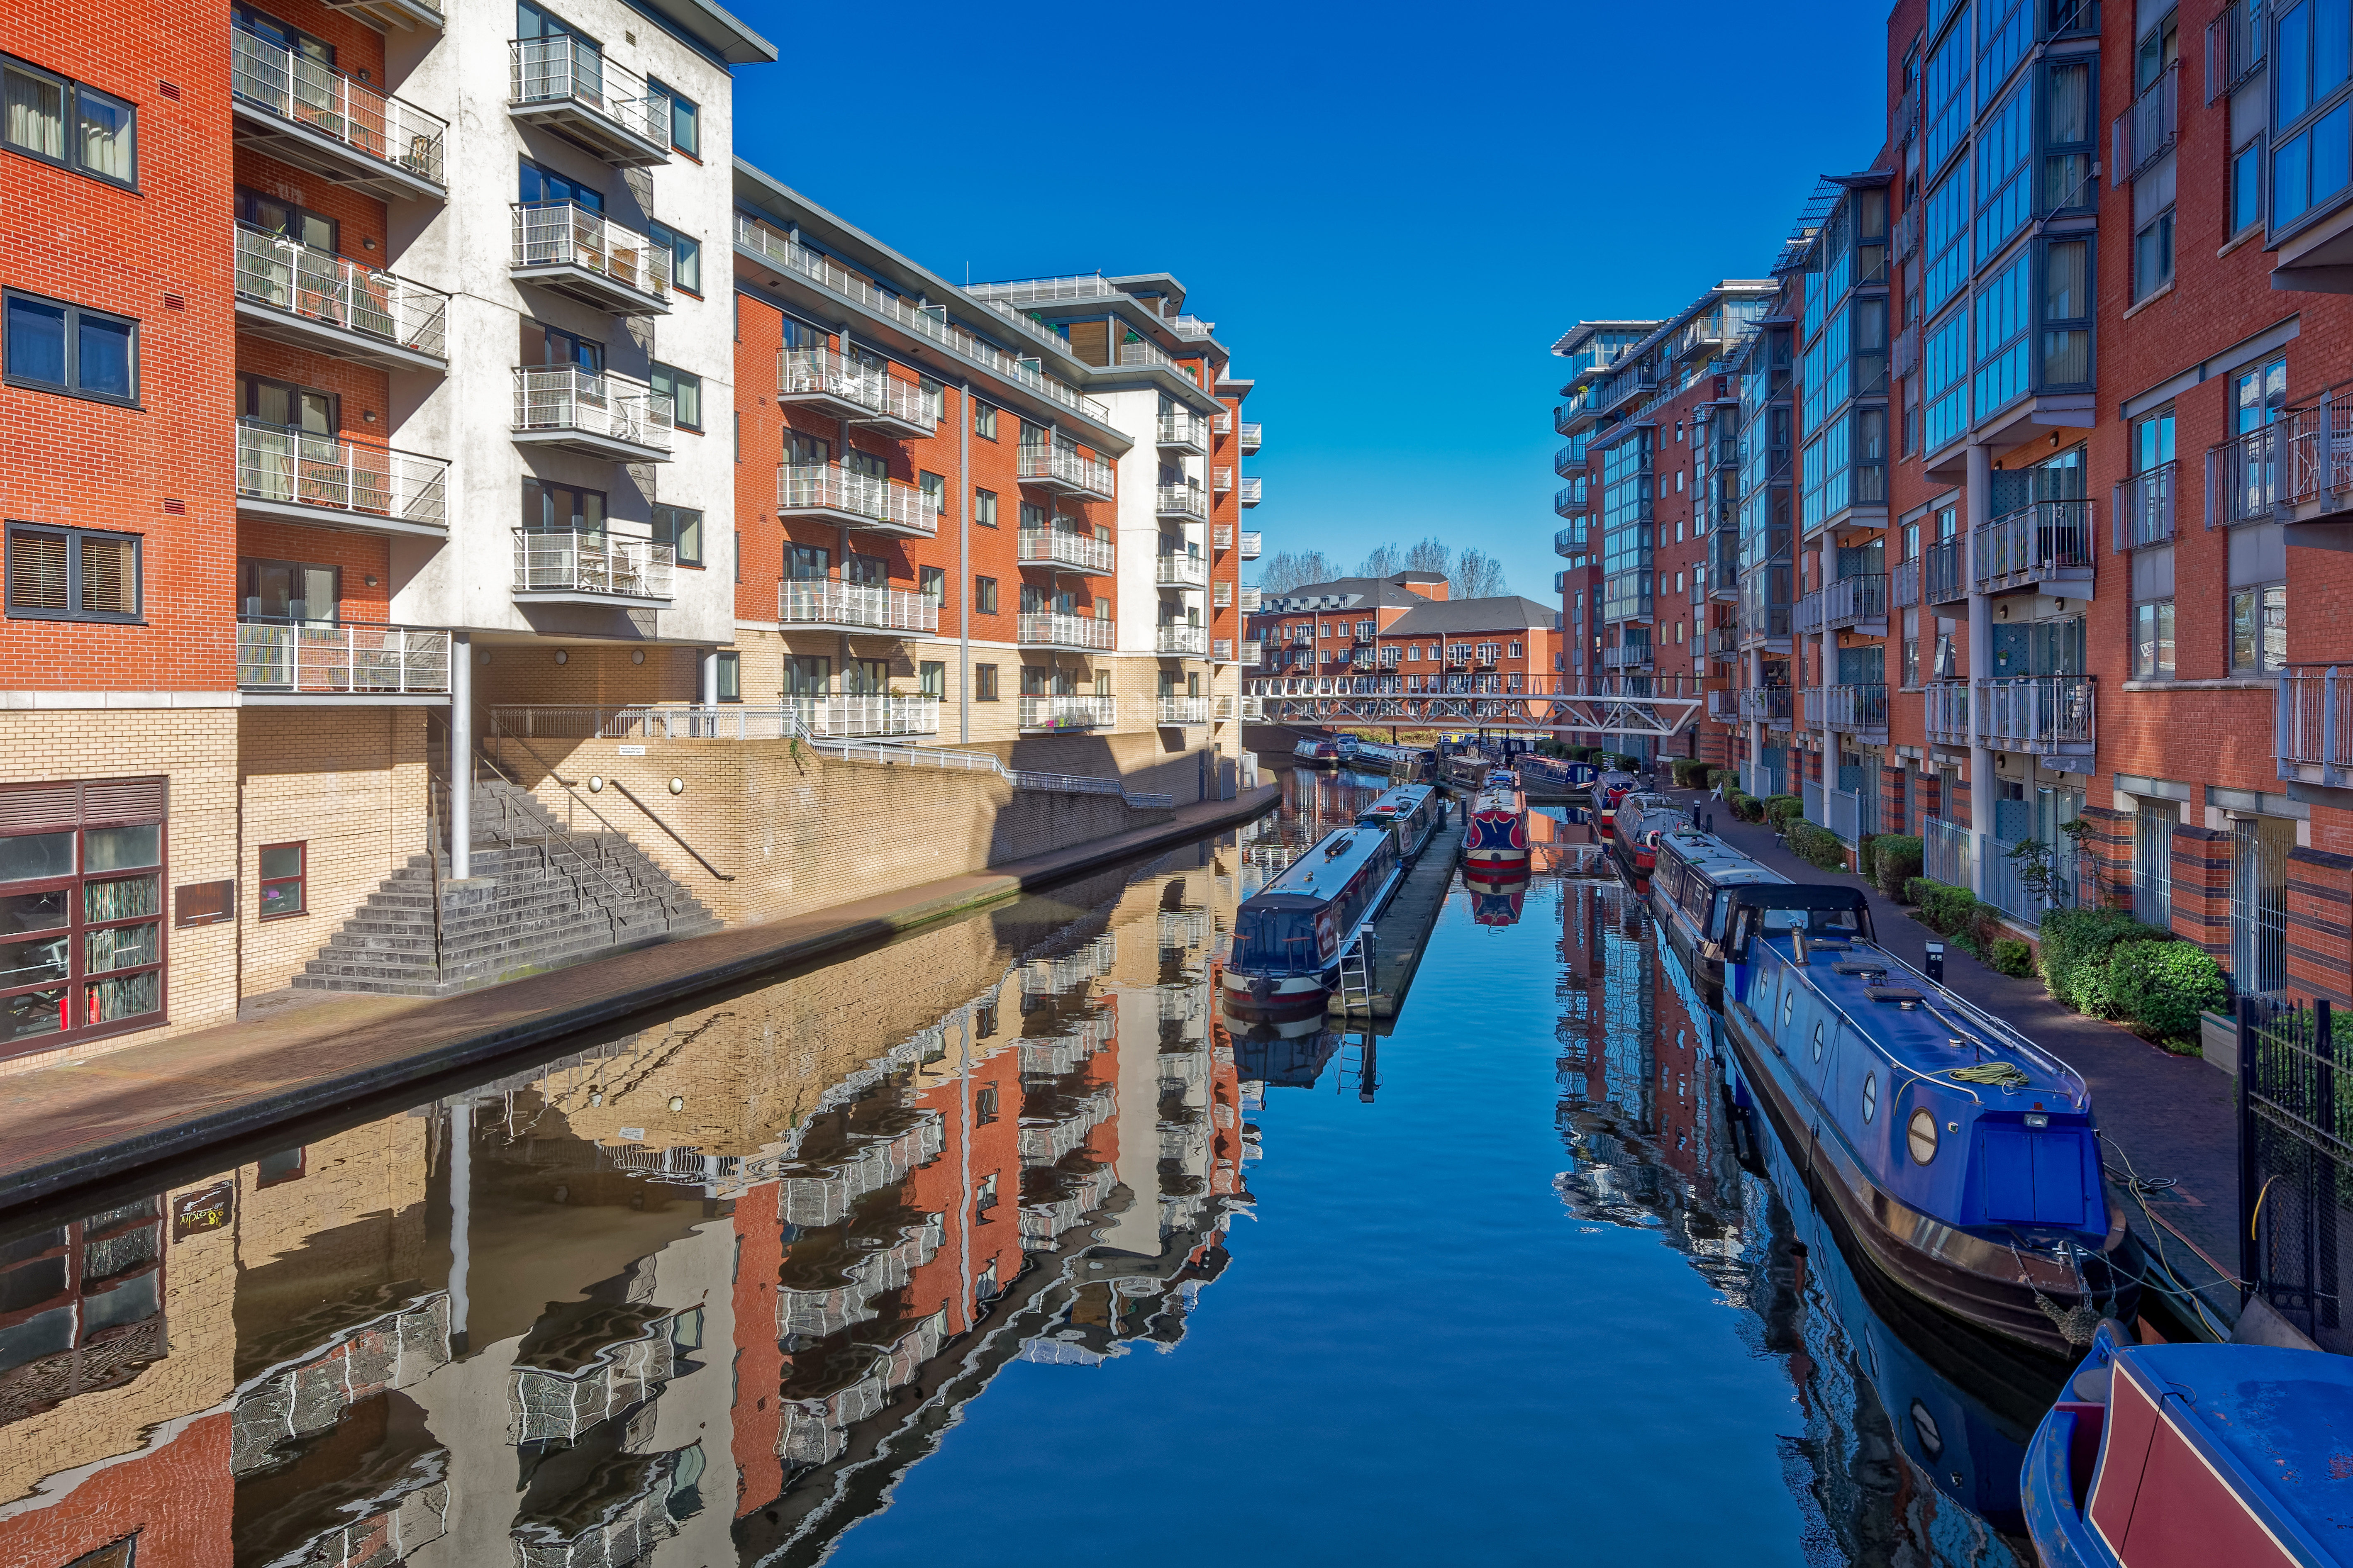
{"type": "Point", "coordinates": [1724, 642]}
{"type": "Point", "coordinates": [1064, 468]}
{"type": "Point", "coordinates": [1248, 544]}
{"type": "Point", "coordinates": [387, 129]}
{"type": "Point", "coordinates": [339, 657]}
{"type": "Point", "coordinates": [2304, 458]}
{"type": "Point", "coordinates": [1250, 491]}
{"type": "Point", "coordinates": [1859, 708]}
{"type": "Point", "coordinates": [1723, 707]}
{"type": "Point", "coordinates": [1251, 434]}
{"type": "Point", "coordinates": [1182, 500]}
{"type": "Point", "coordinates": [1177, 637]}
{"type": "Point", "coordinates": [2035, 545]}
{"type": "Point", "coordinates": [1223, 710]}
{"type": "Point", "coordinates": [563, 234]}
{"type": "Point", "coordinates": [831, 603]}
{"type": "Point", "coordinates": [566, 69]}
{"type": "Point", "coordinates": [2143, 508]}
{"type": "Point", "coordinates": [1806, 615]}
{"type": "Point", "coordinates": [1065, 547]}
{"type": "Point", "coordinates": [1185, 429]}
{"type": "Point", "coordinates": [1567, 462]}
{"type": "Point", "coordinates": [1221, 480]}
{"type": "Point", "coordinates": [1221, 649]}
{"type": "Point", "coordinates": [1180, 571]}
{"type": "Point", "coordinates": [322, 286]}
{"type": "Point", "coordinates": [2312, 725]}
{"type": "Point", "coordinates": [1184, 710]}
{"type": "Point", "coordinates": [565, 397]}
{"type": "Point", "coordinates": [1944, 575]}
{"type": "Point", "coordinates": [1945, 709]}
{"type": "Point", "coordinates": [1056, 628]}
{"type": "Point", "coordinates": [900, 508]}
{"type": "Point", "coordinates": [1191, 328]}
{"type": "Point", "coordinates": [1221, 535]}
{"type": "Point", "coordinates": [592, 563]}
{"type": "Point", "coordinates": [1221, 595]}
{"type": "Point", "coordinates": [830, 376]}
{"type": "Point", "coordinates": [1248, 600]}
{"type": "Point", "coordinates": [296, 468]}
{"type": "Point", "coordinates": [1775, 705]}
{"type": "Point", "coordinates": [1068, 711]}
{"type": "Point", "coordinates": [2148, 131]}
{"type": "Point", "coordinates": [1223, 424]}
{"type": "Point", "coordinates": [1850, 601]}
{"type": "Point", "coordinates": [1253, 709]}
{"type": "Point", "coordinates": [1904, 585]}
{"type": "Point", "coordinates": [902, 403]}
{"type": "Point", "coordinates": [1249, 650]}
{"type": "Point", "coordinates": [1570, 540]}
{"type": "Point", "coordinates": [856, 716]}
{"type": "Point", "coordinates": [2234, 46]}
{"type": "Point", "coordinates": [1626, 655]}
{"type": "Point", "coordinates": [2049, 714]}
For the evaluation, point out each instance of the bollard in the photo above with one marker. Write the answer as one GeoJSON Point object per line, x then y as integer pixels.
{"type": "Point", "coordinates": [1937, 962]}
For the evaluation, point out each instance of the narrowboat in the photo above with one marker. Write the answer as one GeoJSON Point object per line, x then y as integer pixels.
{"type": "Point", "coordinates": [1952, 1153]}
{"type": "Point", "coordinates": [1290, 935]}
{"type": "Point", "coordinates": [1496, 838]}
{"type": "Point", "coordinates": [1551, 779]}
{"type": "Point", "coordinates": [1497, 894]}
{"type": "Point", "coordinates": [1413, 812]}
{"type": "Point", "coordinates": [1608, 788]}
{"type": "Point", "coordinates": [1689, 883]}
{"type": "Point", "coordinates": [1636, 826]}
{"type": "Point", "coordinates": [1316, 754]}
{"type": "Point", "coordinates": [1465, 770]}
{"type": "Point", "coordinates": [2182, 1456]}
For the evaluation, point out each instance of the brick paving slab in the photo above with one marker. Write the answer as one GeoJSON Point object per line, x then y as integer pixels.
{"type": "Point", "coordinates": [72, 1123]}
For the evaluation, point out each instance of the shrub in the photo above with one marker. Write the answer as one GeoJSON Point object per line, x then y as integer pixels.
{"type": "Point", "coordinates": [1954, 912]}
{"type": "Point", "coordinates": [2013, 957]}
{"type": "Point", "coordinates": [2075, 944]}
{"type": "Point", "coordinates": [1729, 779]}
{"type": "Point", "coordinates": [1817, 845]}
{"type": "Point", "coordinates": [1780, 809]}
{"type": "Point", "coordinates": [1916, 891]}
{"type": "Point", "coordinates": [1690, 772]}
{"type": "Point", "coordinates": [1752, 810]}
{"type": "Point", "coordinates": [1895, 860]}
{"type": "Point", "coordinates": [2161, 987]}
{"type": "Point", "coordinates": [1862, 853]}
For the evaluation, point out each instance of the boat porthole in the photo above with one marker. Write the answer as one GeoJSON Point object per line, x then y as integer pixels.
{"type": "Point", "coordinates": [1818, 1042]}
{"type": "Point", "coordinates": [1788, 1007]}
{"type": "Point", "coordinates": [1870, 1096]}
{"type": "Point", "coordinates": [1922, 1134]}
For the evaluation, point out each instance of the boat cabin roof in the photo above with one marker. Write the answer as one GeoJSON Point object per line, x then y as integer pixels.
{"type": "Point", "coordinates": [1497, 795]}
{"type": "Point", "coordinates": [1325, 869]}
{"type": "Point", "coordinates": [1719, 862]}
{"type": "Point", "coordinates": [1402, 800]}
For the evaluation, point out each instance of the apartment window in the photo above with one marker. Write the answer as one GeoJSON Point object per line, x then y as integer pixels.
{"type": "Point", "coordinates": [288, 591]}
{"type": "Point", "coordinates": [2153, 254]}
{"type": "Point", "coordinates": [2257, 396]}
{"type": "Point", "coordinates": [1911, 651]}
{"type": "Point", "coordinates": [536, 185]}
{"type": "Point", "coordinates": [1363, 631]}
{"type": "Point", "coordinates": [865, 571]}
{"type": "Point", "coordinates": [933, 583]}
{"type": "Point", "coordinates": [61, 122]}
{"type": "Point", "coordinates": [56, 347]}
{"type": "Point", "coordinates": [282, 880]}
{"type": "Point", "coordinates": [984, 508]}
{"type": "Point", "coordinates": [2151, 586]}
{"type": "Point", "coordinates": [984, 595]}
{"type": "Point", "coordinates": [984, 421]}
{"type": "Point", "coordinates": [2066, 314]}
{"type": "Point", "coordinates": [287, 221]}
{"type": "Point", "coordinates": [680, 528]}
{"type": "Point", "coordinates": [807, 562]}
{"type": "Point", "coordinates": [1947, 358]}
{"type": "Point", "coordinates": [561, 509]}
{"type": "Point", "coordinates": [72, 574]}
{"type": "Point", "coordinates": [936, 491]}
{"type": "Point", "coordinates": [729, 678]}
{"type": "Point", "coordinates": [2259, 629]}
{"type": "Point", "coordinates": [984, 683]}
{"type": "Point", "coordinates": [2005, 157]}
{"type": "Point", "coordinates": [685, 389]}
{"type": "Point", "coordinates": [685, 117]}
{"type": "Point", "coordinates": [83, 894]}
{"type": "Point", "coordinates": [2069, 150]}
{"type": "Point", "coordinates": [2002, 321]}
{"type": "Point", "coordinates": [685, 256]}
{"type": "Point", "coordinates": [1515, 650]}
{"type": "Point", "coordinates": [1947, 242]}
{"type": "Point", "coordinates": [932, 679]}
{"type": "Point", "coordinates": [2247, 187]}
{"type": "Point", "coordinates": [1947, 98]}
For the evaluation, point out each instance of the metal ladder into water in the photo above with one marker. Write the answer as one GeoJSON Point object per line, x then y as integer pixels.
{"type": "Point", "coordinates": [1357, 977]}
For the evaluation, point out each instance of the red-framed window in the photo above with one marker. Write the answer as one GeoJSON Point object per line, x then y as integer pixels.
{"type": "Point", "coordinates": [83, 1305]}
{"type": "Point", "coordinates": [81, 911]}
{"type": "Point", "coordinates": [284, 878]}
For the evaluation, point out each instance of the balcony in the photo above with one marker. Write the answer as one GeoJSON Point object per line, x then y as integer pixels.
{"type": "Point", "coordinates": [1859, 711]}
{"type": "Point", "coordinates": [2312, 726]}
{"type": "Point", "coordinates": [1048, 466]}
{"type": "Point", "coordinates": [1180, 572]}
{"type": "Point", "coordinates": [569, 250]}
{"type": "Point", "coordinates": [1570, 540]}
{"type": "Point", "coordinates": [1250, 437]}
{"type": "Point", "coordinates": [869, 715]}
{"type": "Point", "coordinates": [591, 569]}
{"type": "Point", "coordinates": [1724, 706]}
{"type": "Point", "coordinates": [321, 121]}
{"type": "Point", "coordinates": [1249, 489]}
{"type": "Point", "coordinates": [1183, 711]}
{"type": "Point", "coordinates": [831, 493]}
{"type": "Point", "coordinates": [1253, 709]}
{"type": "Point", "coordinates": [1627, 655]}
{"type": "Point", "coordinates": [827, 602]}
{"type": "Point", "coordinates": [1569, 461]}
{"type": "Point", "coordinates": [1068, 712]}
{"type": "Point", "coordinates": [2049, 715]}
{"type": "Point", "coordinates": [1904, 585]}
{"type": "Point", "coordinates": [1944, 575]}
{"type": "Point", "coordinates": [568, 86]}
{"type": "Point", "coordinates": [1250, 545]}
{"type": "Point", "coordinates": [1247, 600]}
{"type": "Point", "coordinates": [1857, 602]}
{"type": "Point", "coordinates": [1184, 432]}
{"type": "Point", "coordinates": [2148, 131]}
{"type": "Point", "coordinates": [1724, 642]}
{"type": "Point", "coordinates": [310, 298]}
{"type": "Point", "coordinates": [2047, 542]}
{"type": "Point", "coordinates": [1185, 501]}
{"type": "Point", "coordinates": [1249, 650]}
{"type": "Point", "coordinates": [287, 475]}
{"type": "Point", "coordinates": [1765, 626]}
{"type": "Point", "coordinates": [1066, 550]}
{"type": "Point", "coordinates": [2143, 508]}
{"type": "Point", "coordinates": [1560, 581]}
{"type": "Point", "coordinates": [902, 410]}
{"type": "Point", "coordinates": [828, 383]}
{"type": "Point", "coordinates": [1806, 615]}
{"type": "Point", "coordinates": [1221, 535]}
{"type": "Point", "coordinates": [1944, 711]}
{"type": "Point", "coordinates": [605, 416]}
{"type": "Point", "coordinates": [1221, 595]}
{"type": "Point", "coordinates": [1179, 640]}
{"type": "Point", "coordinates": [1055, 628]}
{"type": "Point", "coordinates": [1568, 501]}
{"type": "Point", "coordinates": [340, 660]}
{"type": "Point", "coordinates": [1221, 650]}
{"type": "Point", "coordinates": [1221, 480]}
{"type": "Point", "coordinates": [1223, 424]}
{"type": "Point", "coordinates": [2296, 469]}
{"type": "Point", "coordinates": [1774, 706]}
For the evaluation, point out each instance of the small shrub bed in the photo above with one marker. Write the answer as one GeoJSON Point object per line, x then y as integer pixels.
{"type": "Point", "coordinates": [2011, 957]}
{"type": "Point", "coordinates": [2162, 985]}
{"type": "Point", "coordinates": [1780, 810]}
{"type": "Point", "coordinates": [2075, 945]}
{"type": "Point", "coordinates": [1690, 772]}
{"type": "Point", "coordinates": [1895, 860]}
{"type": "Point", "coordinates": [1816, 845]}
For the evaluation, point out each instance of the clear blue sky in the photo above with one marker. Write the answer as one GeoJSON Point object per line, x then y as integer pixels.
{"type": "Point", "coordinates": [1389, 212]}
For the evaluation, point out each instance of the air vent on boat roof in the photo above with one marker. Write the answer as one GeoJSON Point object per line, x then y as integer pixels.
{"type": "Point", "coordinates": [1856, 966]}
{"type": "Point", "coordinates": [1890, 994]}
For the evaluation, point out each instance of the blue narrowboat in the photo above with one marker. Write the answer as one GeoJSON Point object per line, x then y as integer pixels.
{"type": "Point", "coordinates": [1316, 754]}
{"type": "Point", "coordinates": [1290, 935]}
{"type": "Point", "coordinates": [2193, 1456]}
{"type": "Point", "coordinates": [1496, 840]}
{"type": "Point", "coordinates": [1411, 810]}
{"type": "Point", "coordinates": [1692, 876]}
{"type": "Point", "coordinates": [1955, 1155]}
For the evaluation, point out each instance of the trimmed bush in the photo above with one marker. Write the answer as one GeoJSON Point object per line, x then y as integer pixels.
{"type": "Point", "coordinates": [1954, 912]}
{"type": "Point", "coordinates": [2160, 986]}
{"type": "Point", "coordinates": [2013, 957]}
{"type": "Point", "coordinates": [1782, 809]}
{"type": "Point", "coordinates": [1690, 772]}
{"type": "Point", "coordinates": [2075, 963]}
{"type": "Point", "coordinates": [1817, 845]}
{"type": "Point", "coordinates": [1895, 860]}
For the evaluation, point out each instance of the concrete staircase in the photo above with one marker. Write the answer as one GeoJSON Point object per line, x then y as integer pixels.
{"type": "Point", "coordinates": [540, 896]}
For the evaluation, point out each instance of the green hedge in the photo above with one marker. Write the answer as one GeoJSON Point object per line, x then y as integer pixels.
{"type": "Point", "coordinates": [1745, 806]}
{"type": "Point", "coordinates": [1895, 859]}
{"type": "Point", "coordinates": [2011, 957]}
{"type": "Point", "coordinates": [1690, 772]}
{"type": "Point", "coordinates": [1816, 845]}
{"type": "Point", "coordinates": [2075, 962]}
{"type": "Point", "coordinates": [1782, 809]}
{"type": "Point", "coordinates": [2161, 986]}
{"type": "Point", "coordinates": [1952, 912]}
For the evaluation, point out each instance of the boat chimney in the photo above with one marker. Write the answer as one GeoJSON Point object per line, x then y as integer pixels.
{"type": "Point", "coordinates": [1797, 948]}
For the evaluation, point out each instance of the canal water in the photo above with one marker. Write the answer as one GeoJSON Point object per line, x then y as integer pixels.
{"type": "Point", "coordinates": [1000, 1245]}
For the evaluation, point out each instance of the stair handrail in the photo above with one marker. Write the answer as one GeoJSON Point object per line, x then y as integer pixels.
{"type": "Point", "coordinates": [501, 731]}
{"type": "Point", "coordinates": [623, 890]}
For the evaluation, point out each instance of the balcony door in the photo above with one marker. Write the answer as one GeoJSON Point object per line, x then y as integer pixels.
{"type": "Point", "coordinates": [288, 441]}
{"type": "Point", "coordinates": [286, 221]}
{"type": "Point", "coordinates": [288, 591]}
{"type": "Point", "coordinates": [866, 677]}
{"type": "Point", "coordinates": [808, 678]}
{"type": "Point", "coordinates": [553, 348]}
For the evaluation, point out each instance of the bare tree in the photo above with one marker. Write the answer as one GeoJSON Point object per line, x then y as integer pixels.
{"type": "Point", "coordinates": [1382, 560]}
{"type": "Point", "coordinates": [1287, 569]}
{"type": "Point", "coordinates": [1477, 575]}
{"type": "Point", "coordinates": [1430, 555]}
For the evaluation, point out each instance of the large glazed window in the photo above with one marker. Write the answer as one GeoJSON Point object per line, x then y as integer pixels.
{"type": "Point", "coordinates": [81, 911]}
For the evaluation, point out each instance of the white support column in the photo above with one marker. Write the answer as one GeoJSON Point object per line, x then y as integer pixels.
{"type": "Point", "coordinates": [461, 755]}
{"type": "Point", "coordinates": [1978, 513]}
{"type": "Point", "coordinates": [710, 677]}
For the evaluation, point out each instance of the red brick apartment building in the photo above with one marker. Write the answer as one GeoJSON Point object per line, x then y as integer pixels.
{"type": "Point", "coordinates": [2093, 268]}
{"type": "Point", "coordinates": [1382, 638]}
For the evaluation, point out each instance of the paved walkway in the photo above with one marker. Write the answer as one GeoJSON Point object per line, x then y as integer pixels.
{"type": "Point", "coordinates": [72, 1124]}
{"type": "Point", "coordinates": [2169, 1116]}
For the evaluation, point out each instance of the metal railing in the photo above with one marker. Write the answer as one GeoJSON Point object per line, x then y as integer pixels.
{"type": "Point", "coordinates": [1191, 328]}
{"type": "Point", "coordinates": [1222, 649]}
{"type": "Point", "coordinates": [1904, 585]}
{"type": "Point", "coordinates": [2234, 46]}
{"type": "Point", "coordinates": [1182, 500]}
{"type": "Point", "coordinates": [1252, 436]}
{"type": "Point", "coordinates": [1221, 479]}
{"type": "Point", "coordinates": [1221, 535]}
{"type": "Point", "coordinates": [829, 372]}
{"type": "Point", "coordinates": [339, 657]}
{"type": "Point", "coordinates": [2303, 458]}
{"type": "Point", "coordinates": [1806, 615]}
{"type": "Point", "coordinates": [1180, 571]}
{"type": "Point", "coordinates": [861, 715]}
{"type": "Point", "coordinates": [1859, 708]}
{"type": "Point", "coordinates": [1069, 712]}
{"type": "Point", "coordinates": [2144, 508]}
{"type": "Point", "coordinates": [592, 563]}
{"type": "Point", "coordinates": [302, 470]}
{"type": "Point", "coordinates": [1570, 461]}
{"type": "Point", "coordinates": [1944, 711]}
{"type": "Point", "coordinates": [564, 234]}
{"type": "Point", "coordinates": [565, 68]}
{"type": "Point", "coordinates": [1723, 707]}
{"type": "Point", "coordinates": [2312, 725]}
{"type": "Point", "coordinates": [2146, 132]}
{"type": "Point", "coordinates": [1177, 637]}
{"type": "Point", "coordinates": [1047, 290]}
{"type": "Point", "coordinates": [1626, 655]}
{"type": "Point", "coordinates": [1184, 710]}
{"type": "Point", "coordinates": [1065, 547]}
{"type": "Point", "coordinates": [929, 321]}
{"type": "Point", "coordinates": [1248, 601]}
{"type": "Point", "coordinates": [1249, 489]}
{"type": "Point", "coordinates": [813, 487]}
{"type": "Point", "coordinates": [1221, 595]}
{"type": "Point", "coordinates": [1570, 540]}
{"type": "Point", "coordinates": [831, 603]}
{"type": "Point", "coordinates": [1851, 600]}
{"type": "Point", "coordinates": [321, 99]}
{"type": "Point", "coordinates": [1767, 704]}
{"type": "Point", "coordinates": [1944, 570]}
{"type": "Point", "coordinates": [323, 287]}
{"type": "Point", "coordinates": [1724, 641]}
{"type": "Point", "coordinates": [565, 397]}
{"type": "Point", "coordinates": [1057, 629]}
{"type": "Point", "coordinates": [904, 402]}
{"type": "Point", "coordinates": [2034, 544]}
{"type": "Point", "coordinates": [1945, 852]}
{"type": "Point", "coordinates": [1046, 462]}
{"type": "Point", "coordinates": [2045, 714]}
{"type": "Point", "coordinates": [1249, 650]}
{"type": "Point", "coordinates": [1250, 544]}
{"type": "Point", "coordinates": [1183, 429]}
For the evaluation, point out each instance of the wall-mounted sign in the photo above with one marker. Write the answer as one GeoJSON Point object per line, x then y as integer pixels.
{"type": "Point", "coordinates": [197, 1212]}
{"type": "Point", "coordinates": [631, 750]}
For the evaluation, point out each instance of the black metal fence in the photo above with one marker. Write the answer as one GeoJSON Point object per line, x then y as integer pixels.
{"type": "Point", "coordinates": [2295, 1164]}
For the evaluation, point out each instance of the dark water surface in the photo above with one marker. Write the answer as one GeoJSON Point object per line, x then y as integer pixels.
{"type": "Point", "coordinates": [999, 1245]}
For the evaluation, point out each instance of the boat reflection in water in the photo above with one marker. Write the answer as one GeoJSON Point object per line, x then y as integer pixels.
{"type": "Point", "coordinates": [1914, 1427]}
